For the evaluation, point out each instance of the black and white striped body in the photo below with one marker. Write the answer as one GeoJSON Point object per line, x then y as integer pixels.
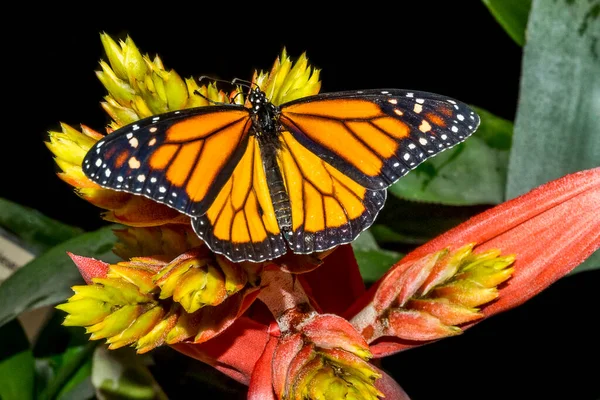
{"type": "Point", "coordinates": [265, 118]}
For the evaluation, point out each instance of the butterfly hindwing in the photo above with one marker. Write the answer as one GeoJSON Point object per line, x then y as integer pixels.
{"type": "Point", "coordinates": [241, 222]}
{"type": "Point", "coordinates": [377, 136]}
{"type": "Point", "coordinates": [181, 158]}
{"type": "Point", "coordinates": [327, 207]}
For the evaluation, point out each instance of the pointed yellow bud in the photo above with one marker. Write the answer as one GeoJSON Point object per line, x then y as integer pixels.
{"type": "Point", "coordinates": [133, 61]}
{"type": "Point", "coordinates": [116, 322]}
{"type": "Point", "coordinates": [84, 312]}
{"type": "Point", "coordinates": [121, 115]}
{"type": "Point", "coordinates": [115, 55]}
{"type": "Point", "coordinates": [176, 94]}
{"type": "Point", "coordinates": [289, 81]}
{"type": "Point", "coordinates": [117, 88]}
{"type": "Point", "coordinates": [140, 327]}
{"type": "Point", "coordinates": [200, 281]}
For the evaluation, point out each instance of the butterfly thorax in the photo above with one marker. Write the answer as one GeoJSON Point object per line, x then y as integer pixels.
{"type": "Point", "coordinates": [265, 115]}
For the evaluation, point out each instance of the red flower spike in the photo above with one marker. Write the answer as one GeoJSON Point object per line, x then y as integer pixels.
{"type": "Point", "coordinates": [549, 230]}
{"type": "Point", "coordinates": [89, 268]}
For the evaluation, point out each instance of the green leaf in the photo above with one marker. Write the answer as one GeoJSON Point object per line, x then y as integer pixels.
{"type": "Point", "coordinates": [473, 172]}
{"type": "Point", "coordinates": [16, 363]}
{"type": "Point", "coordinates": [384, 234]}
{"type": "Point", "coordinates": [512, 15]}
{"type": "Point", "coordinates": [36, 230]}
{"type": "Point", "coordinates": [372, 260]}
{"type": "Point", "coordinates": [63, 360]}
{"type": "Point", "coordinates": [416, 223]}
{"type": "Point", "coordinates": [557, 127]}
{"type": "Point", "coordinates": [84, 390]}
{"type": "Point", "coordinates": [47, 279]}
{"type": "Point", "coordinates": [76, 369]}
{"type": "Point", "coordinates": [123, 374]}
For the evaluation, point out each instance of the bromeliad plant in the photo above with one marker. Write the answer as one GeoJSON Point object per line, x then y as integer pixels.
{"type": "Point", "coordinates": [300, 327]}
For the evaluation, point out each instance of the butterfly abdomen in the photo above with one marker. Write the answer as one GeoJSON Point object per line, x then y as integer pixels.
{"type": "Point", "coordinates": [277, 189]}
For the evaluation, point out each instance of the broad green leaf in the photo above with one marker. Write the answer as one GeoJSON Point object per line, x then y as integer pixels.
{"type": "Point", "coordinates": [77, 370]}
{"type": "Point", "coordinates": [123, 374]}
{"type": "Point", "coordinates": [416, 223]}
{"type": "Point", "coordinates": [84, 390]}
{"type": "Point", "coordinates": [372, 260]}
{"type": "Point", "coordinates": [71, 368]}
{"type": "Point", "coordinates": [63, 360]}
{"type": "Point", "coordinates": [512, 15]}
{"type": "Point", "coordinates": [37, 231]}
{"type": "Point", "coordinates": [47, 279]}
{"type": "Point", "coordinates": [557, 127]}
{"type": "Point", "coordinates": [473, 172]}
{"type": "Point", "coordinates": [384, 234]}
{"type": "Point", "coordinates": [16, 363]}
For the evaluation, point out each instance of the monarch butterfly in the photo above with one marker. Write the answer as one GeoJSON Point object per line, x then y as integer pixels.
{"type": "Point", "coordinates": [307, 175]}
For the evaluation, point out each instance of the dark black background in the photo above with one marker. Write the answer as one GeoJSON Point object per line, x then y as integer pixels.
{"type": "Point", "coordinates": [547, 348]}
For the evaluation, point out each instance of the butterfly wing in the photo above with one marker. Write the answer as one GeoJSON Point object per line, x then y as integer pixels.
{"type": "Point", "coordinates": [341, 150]}
{"type": "Point", "coordinates": [328, 207]}
{"type": "Point", "coordinates": [241, 223]}
{"type": "Point", "coordinates": [377, 136]}
{"type": "Point", "coordinates": [181, 159]}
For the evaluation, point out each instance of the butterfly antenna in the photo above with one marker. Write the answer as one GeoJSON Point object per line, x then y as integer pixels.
{"type": "Point", "coordinates": [207, 99]}
{"type": "Point", "coordinates": [245, 83]}
{"type": "Point", "coordinates": [204, 77]}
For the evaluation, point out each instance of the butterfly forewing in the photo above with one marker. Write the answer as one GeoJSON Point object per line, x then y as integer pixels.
{"type": "Point", "coordinates": [377, 136]}
{"type": "Point", "coordinates": [181, 159]}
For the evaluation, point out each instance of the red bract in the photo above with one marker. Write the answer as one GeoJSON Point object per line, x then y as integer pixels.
{"type": "Point", "coordinates": [550, 230]}
{"type": "Point", "coordinates": [323, 324]}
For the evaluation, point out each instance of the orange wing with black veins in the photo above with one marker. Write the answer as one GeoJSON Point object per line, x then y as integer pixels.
{"type": "Point", "coordinates": [241, 222]}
